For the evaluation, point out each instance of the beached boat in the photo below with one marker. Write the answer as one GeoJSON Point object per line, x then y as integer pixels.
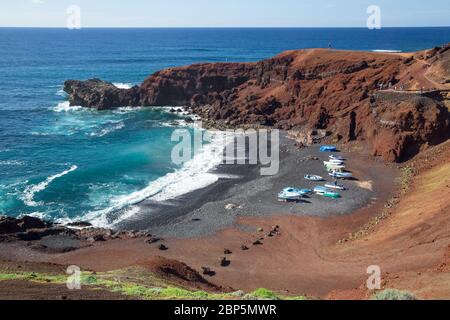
{"type": "Point", "coordinates": [290, 194]}
{"type": "Point", "coordinates": [313, 178]}
{"type": "Point", "coordinates": [321, 190]}
{"type": "Point", "coordinates": [336, 157]}
{"type": "Point", "coordinates": [332, 195]}
{"type": "Point", "coordinates": [306, 192]}
{"type": "Point", "coordinates": [333, 164]}
{"type": "Point", "coordinates": [324, 191]}
{"type": "Point", "coordinates": [335, 186]}
{"type": "Point", "coordinates": [335, 161]}
{"type": "Point", "coordinates": [335, 168]}
{"type": "Point", "coordinates": [341, 175]}
{"type": "Point", "coordinates": [328, 149]}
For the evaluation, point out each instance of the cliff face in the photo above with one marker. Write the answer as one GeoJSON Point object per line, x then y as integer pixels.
{"type": "Point", "coordinates": [308, 89]}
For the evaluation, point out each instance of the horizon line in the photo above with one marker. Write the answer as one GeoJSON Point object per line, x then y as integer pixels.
{"type": "Point", "coordinates": [224, 27]}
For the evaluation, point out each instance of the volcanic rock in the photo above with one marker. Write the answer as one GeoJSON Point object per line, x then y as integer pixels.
{"type": "Point", "coordinates": [320, 90]}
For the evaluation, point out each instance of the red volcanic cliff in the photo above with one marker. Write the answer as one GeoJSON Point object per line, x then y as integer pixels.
{"type": "Point", "coordinates": [338, 91]}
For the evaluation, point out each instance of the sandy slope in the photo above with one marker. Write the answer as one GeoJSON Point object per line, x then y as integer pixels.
{"type": "Point", "coordinates": [411, 245]}
{"type": "Point", "coordinates": [305, 257]}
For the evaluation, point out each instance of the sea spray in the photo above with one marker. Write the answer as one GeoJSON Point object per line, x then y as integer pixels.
{"type": "Point", "coordinates": [193, 175]}
{"type": "Point", "coordinates": [31, 191]}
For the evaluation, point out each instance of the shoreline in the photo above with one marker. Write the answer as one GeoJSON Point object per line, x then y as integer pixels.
{"type": "Point", "coordinates": [203, 212]}
{"type": "Point", "coordinates": [283, 263]}
{"type": "Point", "coordinates": [304, 257]}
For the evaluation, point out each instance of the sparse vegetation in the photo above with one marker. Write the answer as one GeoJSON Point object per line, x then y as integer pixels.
{"type": "Point", "coordinates": [264, 294]}
{"type": "Point", "coordinates": [405, 179]}
{"type": "Point", "coordinates": [114, 281]}
{"type": "Point", "coordinates": [393, 294]}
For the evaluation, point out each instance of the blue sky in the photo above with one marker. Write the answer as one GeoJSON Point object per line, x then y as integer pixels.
{"type": "Point", "coordinates": [224, 13]}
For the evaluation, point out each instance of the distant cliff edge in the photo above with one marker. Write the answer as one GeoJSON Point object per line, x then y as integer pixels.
{"type": "Point", "coordinates": [397, 104]}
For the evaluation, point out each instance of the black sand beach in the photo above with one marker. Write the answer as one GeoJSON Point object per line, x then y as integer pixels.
{"type": "Point", "coordinates": [242, 191]}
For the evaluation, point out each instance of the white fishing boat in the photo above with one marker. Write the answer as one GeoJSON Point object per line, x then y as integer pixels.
{"type": "Point", "coordinates": [321, 190]}
{"type": "Point", "coordinates": [336, 157]}
{"type": "Point", "coordinates": [341, 175]}
{"type": "Point", "coordinates": [335, 186]}
{"type": "Point", "coordinates": [336, 161]}
{"type": "Point", "coordinates": [290, 194]}
{"type": "Point", "coordinates": [333, 163]}
{"type": "Point", "coordinates": [314, 178]}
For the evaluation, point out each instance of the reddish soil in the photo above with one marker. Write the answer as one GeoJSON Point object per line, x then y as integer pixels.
{"type": "Point", "coordinates": [338, 91]}
{"type": "Point", "coordinates": [176, 272]}
{"type": "Point", "coordinates": [411, 246]}
{"type": "Point", "coordinates": [28, 290]}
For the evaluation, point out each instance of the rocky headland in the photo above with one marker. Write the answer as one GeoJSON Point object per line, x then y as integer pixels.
{"type": "Point", "coordinates": [397, 104]}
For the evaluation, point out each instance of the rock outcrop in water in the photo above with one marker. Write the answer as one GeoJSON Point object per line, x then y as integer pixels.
{"type": "Point", "coordinates": [100, 95]}
{"type": "Point", "coordinates": [335, 91]}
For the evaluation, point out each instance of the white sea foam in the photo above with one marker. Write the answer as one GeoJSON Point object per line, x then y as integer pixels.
{"type": "Point", "coordinates": [105, 131]}
{"type": "Point", "coordinates": [40, 134]}
{"type": "Point", "coordinates": [66, 107]}
{"type": "Point", "coordinates": [11, 163]}
{"type": "Point", "coordinates": [194, 175]}
{"type": "Point", "coordinates": [174, 123]}
{"type": "Point", "coordinates": [30, 191]}
{"type": "Point", "coordinates": [123, 110]}
{"type": "Point", "coordinates": [123, 85]}
{"type": "Point", "coordinates": [387, 51]}
{"type": "Point", "coordinates": [61, 93]}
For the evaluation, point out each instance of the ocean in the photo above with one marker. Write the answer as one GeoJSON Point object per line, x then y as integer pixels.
{"type": "Point", "coordinates": [67, 163]}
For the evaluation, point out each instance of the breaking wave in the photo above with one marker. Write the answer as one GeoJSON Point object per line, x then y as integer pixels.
{"type": "Point", "coordinates": [30, 191]}
{"type": "Point", "coordinates": [66, 107]}
{"type": "Point", "coordinates": [123, 85]}
{"type": "Point", "coordinates": [105, 131]}
{"type": "Point", "coordinates": [387, 51]}
{"type": "Point", "coordinates": [194, 175]}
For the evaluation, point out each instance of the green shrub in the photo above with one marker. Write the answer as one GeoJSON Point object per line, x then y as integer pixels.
{"type": "Point", "coordinates": [393, 294]}
{"type": "Point", "coordinates": [264, 294]}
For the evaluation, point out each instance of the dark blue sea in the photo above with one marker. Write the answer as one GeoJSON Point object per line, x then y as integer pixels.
{"type": "Point", "coordinates": [66, 163]}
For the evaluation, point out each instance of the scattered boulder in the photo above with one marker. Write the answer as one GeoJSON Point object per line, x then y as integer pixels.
{"type": "Point", "coordinates": [28, 222]}
{"type": "Point", "coordinates": [59, 238]}
{"type": "Point", "coordinates": [224, 262]}
{"type": "Point", "coordinates": [80, 224]}
{"type": "Point", "coordinates": [152, 240]}
{"type": "Point", "coordinates": [163, 247]}
{"type": "Point", "coordinates": [9, 225]}
{"type": "Point", "coordinates": [227, 252]}
{"type": "Point", "coordinates": [208, 272]}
